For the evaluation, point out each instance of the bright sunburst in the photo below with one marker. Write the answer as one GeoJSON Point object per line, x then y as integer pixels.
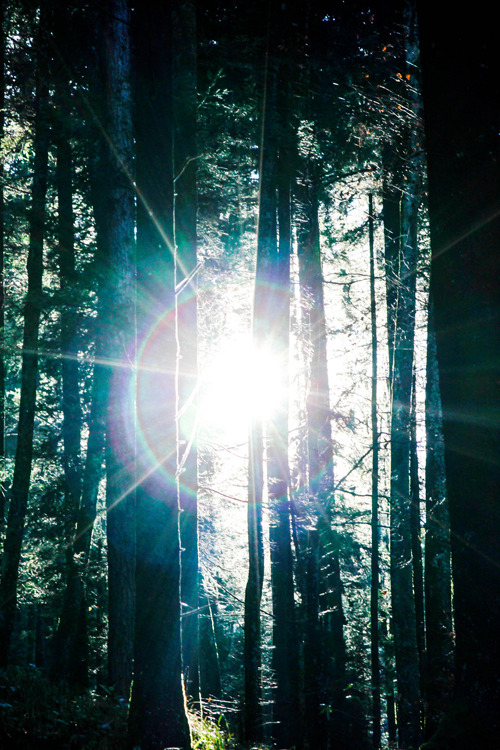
{"type": "Point", "coordinates": [241, 383]}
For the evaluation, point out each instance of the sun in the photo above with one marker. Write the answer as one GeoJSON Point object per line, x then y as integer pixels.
{"type": "Point", "coordinates": [240, 383]}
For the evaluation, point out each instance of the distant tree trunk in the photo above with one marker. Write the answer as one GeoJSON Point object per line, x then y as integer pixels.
{"type": "Point", "coordinates": [118, 296]}
{"type": "Point", "coordinates": [285, 656]}
{"type": "Point", "coordinates": [438, 608]}
{"type": "Point", "coordinates": [210, 673]}
{"type": "Point", "coordinates": [391, 209]}
{"type": "Point", "coordinates": [157, 717]}
{"type": "Point", "coordinates": [32, 310]}
{"type": "Point", "coordinates": [315, 723]}
{"type": "Point", "coordinates": [71, 408]}
{"type": "Point", "coordinates": [389, 679]}
{"type": "Point", "coordinates": [93, 470]}
{"type": "Point", "coordinates": [331, 682]}
{"type": "Point", "coordinates": [75, 609]}
{"type": "Point", "coordinates": [185, 209]}
{"type": "Point", "coordinates": [375, 533]}
{"type": "Point", "coordinates": [390, 22]}
{"type": "Point", "coordinates": [403, 602]}
{"type": "Point", "coordinates": [3, 481]}
{"type": "Point", "coordinates": [416, 536]}
{"type": "Point", "coordinates": [94, 458]}
{"type": "Point", "coordinates": [262, 310]}
{"type": "Point", "coordinates": [252, 712]}
{"type": "Point", "coordinates": [64, 642]}
{"type": "Point", "coordinates": [63, 645]}
{"type": "Point", "coordinates": [311, 284]}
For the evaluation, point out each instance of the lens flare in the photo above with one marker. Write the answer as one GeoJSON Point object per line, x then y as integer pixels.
{"type": "Point", "coordinates": [241, 383]}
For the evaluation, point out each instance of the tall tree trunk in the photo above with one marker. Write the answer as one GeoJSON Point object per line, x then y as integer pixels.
{"type": "Point", "coordinates": [403, 602]}
{"type": "Point", "coordinates": [75, 609]}
{"type": "Point", "coordinates": [375, 533]}
{"type": "Point", "coordinates": [262, 310]}
{"type": "Point", "coordinates": [157, 717]}
{"type": "Point", "coordinates": [118, 295]}
{"type": "Point", "coordinates": [313, 652]}
{"type": "Point", "coordinates": [252, 711]}
{"type": "Point", "coordinates": [391, 208]}
{"type": "Point", "coordinates": [285, 645]}
{"type": "Point", "coordinates": [210, 671]}
{"type": "Point", "coordinates": [416, 536]}
{"type": "Point", "coordinates": [64, 646]}
{"type": "Point", "coordinates": [462, 130]}
{"type": "Point", "coordinates": [438, 607]}
{"type": "Point", "coordinates": [331, 683]}
{"type": "Point", "coordinates": [2, 289]}
{"type": "Point", "coordinates": [185, 208]}
{"type": "Point", "coordinates": [32, 310]}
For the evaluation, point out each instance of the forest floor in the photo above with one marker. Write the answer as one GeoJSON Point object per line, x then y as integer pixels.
{"type": "Point", "coordinates": [36, 714]}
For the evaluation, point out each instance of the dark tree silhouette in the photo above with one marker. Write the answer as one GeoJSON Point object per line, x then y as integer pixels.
{"type": "Point", "coordinates": [32, 312]}
{"type": "Point", "coordinates": [157, 716]}
{"type": "Point", "coordinates": [462, 137]}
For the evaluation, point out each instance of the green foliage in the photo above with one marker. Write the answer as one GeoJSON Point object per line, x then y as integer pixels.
{"type": "Point", "coordinates": [210, 734]}
{"type": "Point", "coordinates": [36, 714]}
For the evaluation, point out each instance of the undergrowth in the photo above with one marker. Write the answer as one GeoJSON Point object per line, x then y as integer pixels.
{"type": "Point", "coordinates": [210, 734]}
{"type": "Point", "coordinates": [36, 714]}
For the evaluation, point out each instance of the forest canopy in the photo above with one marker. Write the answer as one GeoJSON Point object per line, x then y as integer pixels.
{"type": "Point", "coordinates": [249, 391]}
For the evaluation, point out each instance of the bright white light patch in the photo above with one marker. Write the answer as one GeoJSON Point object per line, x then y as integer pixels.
{"type": "Point", "coordinates": [241, 383]}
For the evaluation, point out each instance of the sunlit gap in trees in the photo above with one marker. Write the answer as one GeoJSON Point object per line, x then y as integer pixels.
{"type": "Point", "coordinates": [239, 384]}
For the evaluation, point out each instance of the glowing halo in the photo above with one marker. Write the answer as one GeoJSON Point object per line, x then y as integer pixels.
{"type": "Point", "coordinates": [241, 383]}
{"type": "Point", "coordinates": [155, 398]}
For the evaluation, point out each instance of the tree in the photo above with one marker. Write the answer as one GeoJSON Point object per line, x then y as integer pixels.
{"type": "Point", "coordinates": [32, 311]}
{"type": "Point", "coordinates": [375, 532]}
{"type": "Point", "coordinates": [462, 148]}
{"type": "Point", "coordinates": [261, 317]}
{"type": "Point", "coordinates": [438, 605]}
{"type": "Point", "coordinates": [118, 229]}
{"type": "Point", "coordinates": [185, 210]}
{"type": "Point", "coordinates": [2, 288]}
{"type": "Point", "coordinates": [63, 665]}
{"type": "Point", "coordinates": [278, 138]}
{"type": "Point", "coordinates": [403, 602]}
{"type": "Point", "coordinates": [157, 712]}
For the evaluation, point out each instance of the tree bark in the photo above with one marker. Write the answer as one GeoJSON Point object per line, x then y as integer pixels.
{"type": "Point", "coordinates": [416, 538]}
{"type": "Point", "coordinates": [403, 603]}
{"type": "Point", "coordinates": [438, 606]}
{"type": "Point", "coordinates": [375, 533]}
{"type": "Point", "coordinates": [262, 309]}
{"type": "Point", "coordinates": [32, 311]}
{"type": "Point", "coordinates": [285, 644]}
{"type": "Point", "coordinates": [185, 209]}
{"type": "Point", "coordinates": [391, 209]}
{"type": "Point", "coordinates": [252, 710]}
{"type": "Point", "coordinates": [464, 184]}
{"type": "Point", "coordinates": [118, 294]}
{"type": "Point", "coordinates": [3, 479]}
{"type": "Point", "coordinates": [157, 717]}
{"type": "Point", "coordinates": [64, 641]}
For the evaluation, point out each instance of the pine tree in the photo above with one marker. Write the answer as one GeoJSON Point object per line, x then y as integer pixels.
{"type": "Point", "coordinates": [32, 311]}
{"type": "Point", "coordinates": [118, 295]}
{"type": "Point", "coordinates": [157, 712]}
{"type": "Point", "coordinates": [185, 214]}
